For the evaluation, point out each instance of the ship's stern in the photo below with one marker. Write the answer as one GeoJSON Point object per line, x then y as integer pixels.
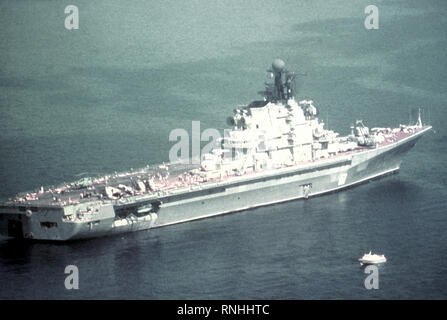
{"type": "Point", "coordinates": [55, 223]}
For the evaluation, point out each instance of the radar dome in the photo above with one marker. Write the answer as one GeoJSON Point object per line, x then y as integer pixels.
{"type": "Point", "coordinates": [278, 65]}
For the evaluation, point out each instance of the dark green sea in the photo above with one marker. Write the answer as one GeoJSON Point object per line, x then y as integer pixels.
{"type": "Point", "coordinates": [105, 97]}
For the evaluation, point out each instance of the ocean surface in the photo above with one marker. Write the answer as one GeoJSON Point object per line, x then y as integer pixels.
{"type": "Point", "coordinates": [105, 97]}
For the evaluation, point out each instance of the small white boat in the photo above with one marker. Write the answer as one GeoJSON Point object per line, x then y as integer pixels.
{"type": "Point", "coordinates": [369, 258]}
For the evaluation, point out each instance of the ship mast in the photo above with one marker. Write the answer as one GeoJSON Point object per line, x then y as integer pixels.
{"type": "Point", "coordinates": [283, 87]}
{"type": "Point", "coordinates": [419, 123]}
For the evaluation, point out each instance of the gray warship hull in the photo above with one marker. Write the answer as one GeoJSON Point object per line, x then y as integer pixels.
{"type": "Point", "coordinates": [141, 212]}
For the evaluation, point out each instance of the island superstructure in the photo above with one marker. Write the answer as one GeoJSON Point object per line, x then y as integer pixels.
{"type": "Point", "coordinates": [277, 150]}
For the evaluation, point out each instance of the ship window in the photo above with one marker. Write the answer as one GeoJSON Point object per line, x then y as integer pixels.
{"type": "Point", "coordinates": [48, 224]}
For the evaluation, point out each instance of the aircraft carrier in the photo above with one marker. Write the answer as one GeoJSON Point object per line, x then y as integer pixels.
{"type": "Point", "coordinates": [277, 150]}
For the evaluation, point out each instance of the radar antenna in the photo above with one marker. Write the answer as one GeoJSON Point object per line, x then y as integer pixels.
{"type": "Point", "coordinates": [284, 85]}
